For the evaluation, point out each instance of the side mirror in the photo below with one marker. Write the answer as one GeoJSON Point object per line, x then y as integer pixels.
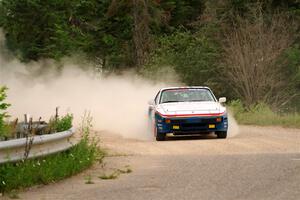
{"type": "Point", "coordinates": [151, 103]}
{"type": "Point", "coordinates": [222, 100]}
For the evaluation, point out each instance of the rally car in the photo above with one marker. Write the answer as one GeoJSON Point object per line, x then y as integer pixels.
{"type": "Point", "coordinates": [187, 111]}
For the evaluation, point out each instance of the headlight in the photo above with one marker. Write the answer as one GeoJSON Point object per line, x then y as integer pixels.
{"type": "Point", "coordinates": [161, 119]}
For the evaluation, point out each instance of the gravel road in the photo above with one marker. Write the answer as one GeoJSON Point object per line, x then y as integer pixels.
{"type": "Point", "coordinates": [258, 163]}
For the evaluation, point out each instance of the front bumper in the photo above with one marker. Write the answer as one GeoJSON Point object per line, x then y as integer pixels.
{"type": "Point", "coordinates": [191, 125]}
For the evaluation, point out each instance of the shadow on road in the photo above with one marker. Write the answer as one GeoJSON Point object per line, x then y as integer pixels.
{"type": "Point", "coordinates": [192, 137]}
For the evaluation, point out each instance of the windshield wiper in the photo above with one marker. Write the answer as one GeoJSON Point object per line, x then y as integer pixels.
{"type": "Point", "coordinates": [197, 100]}
{"type": "Point", "coordinates": [170, 101]}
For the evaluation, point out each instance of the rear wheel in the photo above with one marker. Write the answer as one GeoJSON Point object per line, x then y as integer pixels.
{"type": "Point", "coordinates": [221, 134]}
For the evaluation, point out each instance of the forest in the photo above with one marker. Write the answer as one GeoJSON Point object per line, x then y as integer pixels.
{"type": "Point", "coordinates": [247, 50]}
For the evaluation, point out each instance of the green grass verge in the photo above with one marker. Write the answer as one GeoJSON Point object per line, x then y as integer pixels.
{"type": "Point", "coordinates": [50, 168]}
{"type": "Point", "coordinates": [262, 115]}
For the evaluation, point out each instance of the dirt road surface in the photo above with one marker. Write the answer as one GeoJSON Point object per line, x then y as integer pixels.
{"type": "Point", "coordinates": [258, 163]}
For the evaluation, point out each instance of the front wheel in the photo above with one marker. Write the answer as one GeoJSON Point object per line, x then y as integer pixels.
{"type": "Point", "coordinates": [159, 136]}
{"type": "Point", "coordinates": [221, 134]}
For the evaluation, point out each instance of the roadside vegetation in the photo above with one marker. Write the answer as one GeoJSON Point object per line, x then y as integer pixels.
{"type": "Point", "coordinates": [15, 129]}
{"type": "Point", "coordinates": [115, 173]}
{"type": "Point", "coordinates": [51, 168]}
{"type": "Point", "coordinates": [48, 169]}
{"type": "Point", "coordinates": [4, 128]}
{"type": "Point", "coordinates": [60, 124]}
{"type": "Point", "coordinates": [262, 115]}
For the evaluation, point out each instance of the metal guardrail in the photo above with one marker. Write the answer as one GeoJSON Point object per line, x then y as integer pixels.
{"type": "Point", "coordinates": [42, 145]}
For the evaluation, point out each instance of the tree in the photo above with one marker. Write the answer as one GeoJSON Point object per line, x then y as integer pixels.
{"type": "Point", "coordinates": [193, 56]}
{"type": "Point", "coordinates": [38, 29]}
{"type": "Point", "coordinates": [182, 12]}
{"type": "Point", "coordinates": [141, 31]}
{"type": "Point", "coordinates": [252, 51]}
{"type": "Point", "coordinates": [35, 29]}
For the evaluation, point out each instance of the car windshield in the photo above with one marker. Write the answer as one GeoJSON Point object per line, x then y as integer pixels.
{"type": "Point", "coordinates": [186, 95]}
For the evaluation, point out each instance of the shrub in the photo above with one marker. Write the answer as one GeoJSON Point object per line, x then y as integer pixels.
{"type": "Point", "coordinates": [60, 124]}
{"type": "Point", "coordinates": [254, 56]}
{"type": "Point", "coordinates": [261, 114]}
{"type": "Point", "coordinates": [64, 123]}
{"type": "Point", "coordinates": [192, 55]}
{"type": "Point", "coordinates": [3, 106]}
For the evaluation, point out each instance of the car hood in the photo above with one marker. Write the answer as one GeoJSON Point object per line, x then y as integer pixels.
{"type": "Point", "coordinates": [191, 108]}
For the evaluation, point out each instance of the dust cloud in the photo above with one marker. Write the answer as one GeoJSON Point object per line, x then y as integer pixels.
{"type": "Point", "coordinates": [233, 128]}
{"type": "Point", "coordinates": [118, 103]}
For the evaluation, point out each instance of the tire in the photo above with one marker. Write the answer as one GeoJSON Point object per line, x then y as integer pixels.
{"type": "Point", "coordinates": [221, 134]}
{"type": "Point", "coordinates": [160, 137]}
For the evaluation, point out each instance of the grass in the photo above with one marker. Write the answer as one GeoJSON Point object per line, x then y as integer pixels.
{"type": "Point", "coordinates": [13, 195]}
{"type": "Point", "coordinates": [49, 169]}
{"type": "Point", "coordinates": [62, 124]}
{"type": "Point", "coordinates": [115, 174]}
{"type": "Point", "coordinates": [88, 180]}
{"type": "Point", "coordinates": [8, 130]}
{"type": "Point", "coordinates": [126, 171]}
{"type": "Point", "coordinates": [262, 115]}
{"type": "Point", "coordinates": [3, 114]}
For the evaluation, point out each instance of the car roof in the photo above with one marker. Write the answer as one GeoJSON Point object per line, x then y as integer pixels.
{"type": "Point", "coordinates": [185, 87]}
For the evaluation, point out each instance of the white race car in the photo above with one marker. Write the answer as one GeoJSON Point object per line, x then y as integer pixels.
{"type": "Point", "coordinates": [187, 111]}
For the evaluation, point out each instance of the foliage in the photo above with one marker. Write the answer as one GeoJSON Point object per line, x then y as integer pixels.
{"type": "Point", "coordinates": [192, 55]}
{"type": "Point", "coordinates": [34, 28]}
{"type": "Point", "coordinates": [52, 29]}
{"type": "Point", "coordinates": [290, 61]}
{"type": "Point", "coordinates": [89, 180]}
{"type": "Point", "coordinates": [62, 124]}
{"type": "Point", "coordinates": [252, 53]}
{"type": "Point", "coordinates": [181, 12]}
{"type": "Point", "coordinates": [50, 168]}
{"type": "Point", "coordinates": [113, 175]}
{"type": "Point", "coordinates": [292, 56]}
{"type": "Point", "coordinates": [230, 8]}
{"type": "Point", "coordinates": [3, 115]}
{"type": "Point", "coordinates": [262, 115]}
{"type": "Point", "coordinates": [116, 173]}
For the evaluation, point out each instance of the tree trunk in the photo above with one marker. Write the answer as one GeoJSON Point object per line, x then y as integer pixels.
{"type": "Point", "coordinates": [141, 32]}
